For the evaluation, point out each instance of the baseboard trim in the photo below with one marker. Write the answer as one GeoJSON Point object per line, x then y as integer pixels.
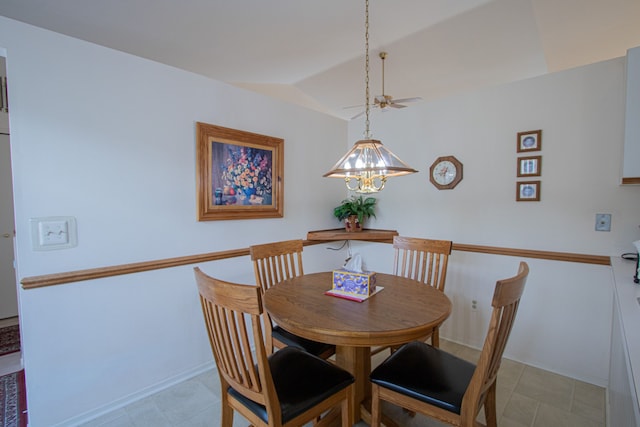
{"type": "Point", "coordinates": [134, 397]}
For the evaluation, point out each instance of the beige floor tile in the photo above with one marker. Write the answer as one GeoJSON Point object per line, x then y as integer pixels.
{"type": "Point", "coordinates": [469, 354]}
{"type": "Point", "coordinates": [589, 401]}
{"type": "Point", "coordinates": [509, 373]}
{"type": "Point", "coordinates": [117, 418]}
{"type": "Point", "coordinates": [182, 401]}
{"type": "Point", "coordinates": [503, 394]}
{"type": "Point", "coordinates": [210, 416]}
{"type": "Point", "coordinates": [526, 397]}
{"type": "Point", "coordinates": [451, 346]}
{"type": "Point", "coordinates": [211, 381]}
{"type": "Point", "coordinates": [145, 413]}
{"type": "Point", "coordinates": [546, 387]}
{"type": "Point", "coordinates": [520, 409]}
{"type": "Point", "coordinates": [552, 416]}
{"type": "Point", "coordinates": [506, 422]}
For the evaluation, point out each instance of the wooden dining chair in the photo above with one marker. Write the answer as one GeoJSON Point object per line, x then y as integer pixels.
{"type": "Point", "coordinates": [424, 260]}
{"type": "Point", "coordinates": [287, 388]}
{"type": "Point", "coordinates": [273, 263]}
{"type": "Point", "coordinates": [430, 381]}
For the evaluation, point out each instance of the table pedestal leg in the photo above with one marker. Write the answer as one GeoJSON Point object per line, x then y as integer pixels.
{"type": "Point", "coordinates": [356, 360]}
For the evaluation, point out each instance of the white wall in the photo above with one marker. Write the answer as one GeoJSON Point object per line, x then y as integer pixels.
{"type": "Point", "coordinates": [110, 139]}
{"type": "Point", "coordinates": [565, 317]}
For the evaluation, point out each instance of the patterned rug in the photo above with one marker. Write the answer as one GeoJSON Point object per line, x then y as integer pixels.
{"type": "Point", "coordinates": [12, 400]}
{"type": "Point", "coordinates": [9, 339]}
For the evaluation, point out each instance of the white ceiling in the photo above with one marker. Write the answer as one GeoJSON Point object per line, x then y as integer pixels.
{"type": "Point", "coordinates": [312, 52]}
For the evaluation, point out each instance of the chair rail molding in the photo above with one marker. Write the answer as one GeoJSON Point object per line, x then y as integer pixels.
{"type": "Point", "coordinates": [117, 270]}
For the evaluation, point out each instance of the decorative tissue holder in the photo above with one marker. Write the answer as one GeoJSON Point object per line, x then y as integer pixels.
{"type": "Point", "coordinates": [353, 283]}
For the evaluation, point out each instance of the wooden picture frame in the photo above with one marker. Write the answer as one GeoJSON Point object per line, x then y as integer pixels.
{"type": "Point", "coordinates": [528, 191]}
{"type": "Point", "coordinates": [529, 141]}
{"type": "Point", "coordinates": [529, 166]}
{"type": "Point", "coordinates": [240, 175]}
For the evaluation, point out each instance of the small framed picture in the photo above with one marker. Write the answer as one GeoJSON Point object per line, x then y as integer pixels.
{"type": "Point", "coordinates": [528, 191]}
{"type": "Point", "coordinates": [529, 141]}
{"type": "Point", "coordinates": [529, 166]}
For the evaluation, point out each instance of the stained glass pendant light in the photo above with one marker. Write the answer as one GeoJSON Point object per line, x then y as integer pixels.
{"type": "Point", "coordinates": [366, 167]}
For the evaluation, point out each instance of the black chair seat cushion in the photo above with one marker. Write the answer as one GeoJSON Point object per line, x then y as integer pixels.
{"type": "Point", "coordinates": [427, 374]}
{"type": "Point", "coordinates": [301, 381]}
{"type": "Point", "coordinates": [314, 347]}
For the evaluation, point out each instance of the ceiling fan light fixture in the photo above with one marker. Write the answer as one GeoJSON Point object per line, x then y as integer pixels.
{"type": "Point", "coordinates": [366, 167]}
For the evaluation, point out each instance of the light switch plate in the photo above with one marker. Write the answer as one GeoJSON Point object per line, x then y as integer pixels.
{"type": "Point", "coordinates": [603, 222]}
{"type": "Point", "coordinates": [54, 232]}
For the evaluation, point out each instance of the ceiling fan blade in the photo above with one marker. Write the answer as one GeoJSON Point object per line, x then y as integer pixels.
{"type": "Point", "coordinates": [353, 106]}
{"type": "Point", "coordinates": [371, 107]}
{"type": "Point", "coordinates": [383, 101]}
{"type": "Point", "coordinates": [357, 115]}
{"type": "Point", "coordinates": [417, 98]}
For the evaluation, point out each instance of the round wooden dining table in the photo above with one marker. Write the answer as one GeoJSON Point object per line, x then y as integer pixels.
{"type": "Point", "coordinates": [403, 310]}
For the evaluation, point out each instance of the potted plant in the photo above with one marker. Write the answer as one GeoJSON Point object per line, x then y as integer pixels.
{"type": "Point", "coordinates": [354, 210]}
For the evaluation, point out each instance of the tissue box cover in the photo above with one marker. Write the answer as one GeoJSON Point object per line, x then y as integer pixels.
{"type": "Point", "coordinates": [354, 283]}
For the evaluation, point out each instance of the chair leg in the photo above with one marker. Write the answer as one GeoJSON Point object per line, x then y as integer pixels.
{"type": "Point", "coordinates": [435, 338]}
{"type": "Point", "coordinates": [227, 412]}
{"type": "Point", "coordinates": [346, 409]}
{"type": "Point", "coordinates": [376, 406]}
{"type": "Point", "coordinates": [490, 407]}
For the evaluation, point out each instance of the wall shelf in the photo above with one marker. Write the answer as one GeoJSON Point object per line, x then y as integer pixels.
{"type": "Point", "coordinates": [372, 235]}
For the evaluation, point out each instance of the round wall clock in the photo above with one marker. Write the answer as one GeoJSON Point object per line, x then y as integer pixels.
{"type": "Point", "coordinates": [445, 173]}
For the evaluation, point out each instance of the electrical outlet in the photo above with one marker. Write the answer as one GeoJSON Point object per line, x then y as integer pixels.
{"type": "Point", "coordinates": [474, 305]}
{"type": "Point", "coordinates": [603, 222]}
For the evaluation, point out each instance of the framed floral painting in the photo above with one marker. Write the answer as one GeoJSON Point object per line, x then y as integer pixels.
{"type": "Point", "coordinates": [239, 174]}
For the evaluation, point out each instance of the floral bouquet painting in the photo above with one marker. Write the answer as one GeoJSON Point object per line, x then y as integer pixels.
{"type": "Point", "coordinates": [242, 175]}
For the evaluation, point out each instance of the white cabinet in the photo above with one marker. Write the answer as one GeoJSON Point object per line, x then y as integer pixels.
{"type": "Point", "coordinates": [631, 163]}
{"type": "Point", "coordinates": [622, 394]}
{"type": "Point", "coordinates": [624, 407]}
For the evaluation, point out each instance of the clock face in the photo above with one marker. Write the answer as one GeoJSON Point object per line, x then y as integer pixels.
{"type": "Point", "coordinates": [446, 172]}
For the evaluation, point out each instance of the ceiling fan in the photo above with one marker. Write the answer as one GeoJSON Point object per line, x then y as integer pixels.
{"type": "Point", "coordinates": [386, 101]}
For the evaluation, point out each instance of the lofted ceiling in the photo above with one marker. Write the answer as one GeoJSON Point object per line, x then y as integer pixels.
{"type": "Point", "coordinates": [312, 52]}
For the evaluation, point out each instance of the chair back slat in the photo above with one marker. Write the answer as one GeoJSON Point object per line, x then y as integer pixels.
{"type": "Point", "coordinates": [424, 260]}
{"type": "Point", "coordinates": [506, 299]}
{"type": "Point", "coordinates": [232, 314]}
{"type": "Point", "coordinates": [275, 262]}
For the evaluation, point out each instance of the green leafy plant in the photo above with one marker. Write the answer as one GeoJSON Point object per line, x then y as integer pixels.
{"type": "Point", "coordinates": [357, 206]}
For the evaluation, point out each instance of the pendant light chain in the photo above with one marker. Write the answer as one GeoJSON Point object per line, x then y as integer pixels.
{"type": "Point", "coordinates": [367, 165]}
{"type": "Point", "coordinates": [367, 135]}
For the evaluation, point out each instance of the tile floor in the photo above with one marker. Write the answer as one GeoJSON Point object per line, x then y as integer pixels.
{"type": "Point", "coordinates": [527, 397]}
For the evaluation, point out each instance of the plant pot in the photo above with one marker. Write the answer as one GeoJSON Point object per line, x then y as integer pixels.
{"type": "Point", "coordinates": [351, 224]}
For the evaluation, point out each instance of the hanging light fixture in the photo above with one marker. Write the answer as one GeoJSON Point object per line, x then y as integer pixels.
{"type": "Point", "coordinates": [366, 167]}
